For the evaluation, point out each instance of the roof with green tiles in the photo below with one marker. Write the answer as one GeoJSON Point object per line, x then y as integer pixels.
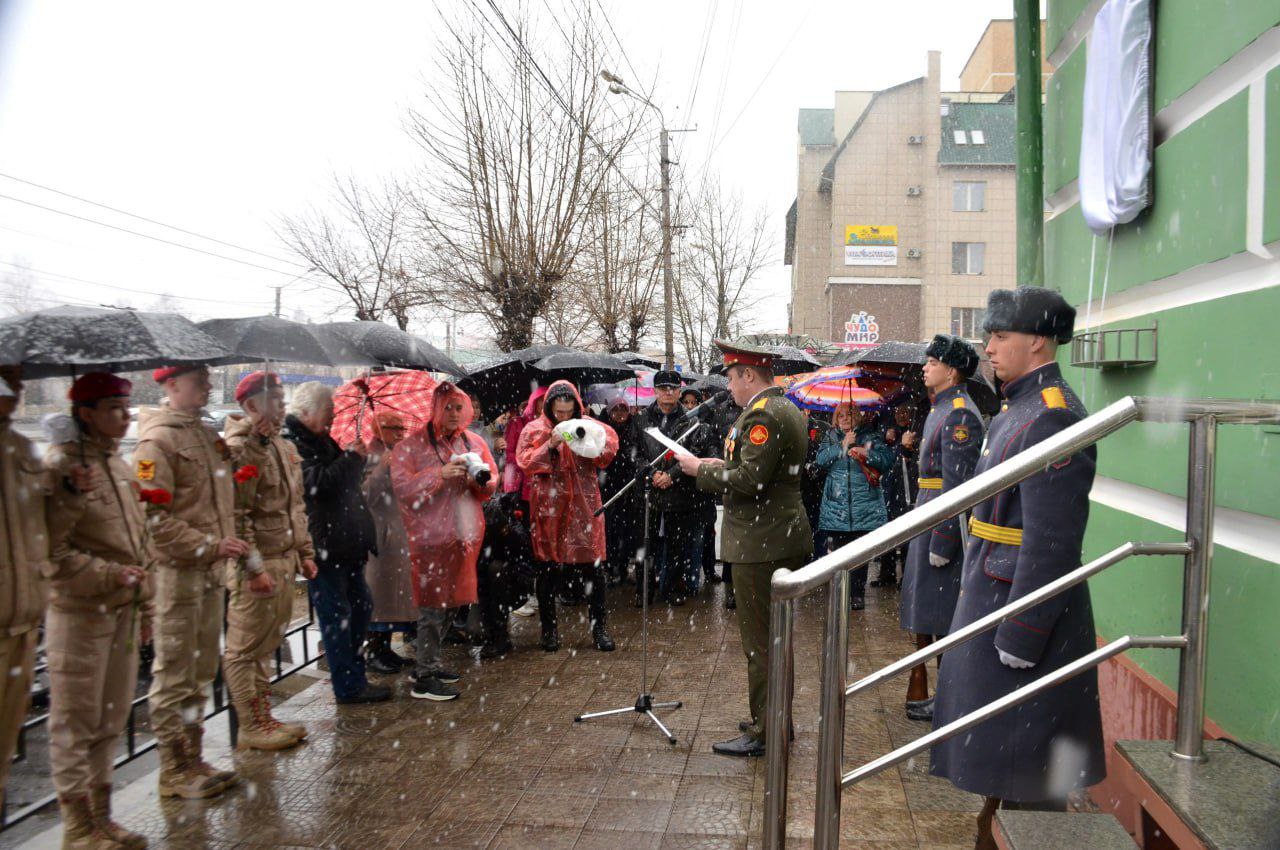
{"type": "Point", "coordinates": [817, 127]}
{"type": "Point", "coordinates": [998, 124]}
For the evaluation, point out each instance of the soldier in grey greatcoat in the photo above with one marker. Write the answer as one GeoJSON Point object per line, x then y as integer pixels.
{"type": "Point", "coordinates": [948, 452]}
{"type": "Point", "coordinates": [1035, 754]}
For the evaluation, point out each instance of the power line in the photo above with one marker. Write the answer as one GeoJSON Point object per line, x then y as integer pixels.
{"type": "Point", "coordinates": [144, 235]}
{"type": "Point", "coordinates": [712, 11]}
{"type": "Point", "coordinates": [71, 278]}
{"type": "Point", "coordinates": [148, 220]}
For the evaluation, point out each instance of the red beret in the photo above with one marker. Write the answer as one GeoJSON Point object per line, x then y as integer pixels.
{"type": "Point", "coordinates": [256, 382]}
{"type": "Point", "coordinates": [95, 386]}
{"type": "Point", "coordinates": [164, 373]}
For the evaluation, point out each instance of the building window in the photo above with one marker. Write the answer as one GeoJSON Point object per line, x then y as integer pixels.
{"type": "Point", "coordinates": [977, 137]}
{"type": "Point", "coordinates": [961, 138]}
{"type": "Point", "coordinates": [966, 322]}
{"type": "Point", "coordinates": [966, 257]}
{"type": "Point", "coordinates": [968, 195]}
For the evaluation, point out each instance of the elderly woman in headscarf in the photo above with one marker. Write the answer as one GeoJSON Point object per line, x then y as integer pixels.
{"type": "Point", "coordinates": [389, 572]}
{"type": "Point", "coordinates": [442, 475]}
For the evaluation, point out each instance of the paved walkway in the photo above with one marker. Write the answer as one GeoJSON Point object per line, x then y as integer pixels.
{"type": "Point", "coordinates": [506, 766]}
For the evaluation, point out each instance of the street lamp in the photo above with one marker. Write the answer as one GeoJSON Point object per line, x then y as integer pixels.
{"type": "Point", "coordinates": [617, 86]}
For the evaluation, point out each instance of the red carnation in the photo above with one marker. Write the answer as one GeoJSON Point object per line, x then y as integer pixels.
{"type": "Point", "coordinates": [157, 496]}
{"type": "Point", "coordinates": [670, 455]}
{"type": "Point", "coordinates": [813, 432]}
{"type": "Point", "coordinates": [248, 472]}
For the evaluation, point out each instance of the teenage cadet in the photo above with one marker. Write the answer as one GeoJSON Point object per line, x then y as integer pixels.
{"type": "Point", "coordinates": [271, 514]}
{"type": "Point", "coordinates": [948, 451]}
{"type": "Point", "coordinates": [1033, 756]}
{"type": "Point", "coordinates": [195, 539]}
{"type": "Point", "coordinates": [99, 611]}
{"type": "Point", "coordinates": [765, 525]}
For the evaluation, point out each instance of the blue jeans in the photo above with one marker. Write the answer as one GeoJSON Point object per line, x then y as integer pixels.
{"type": "Point", "coordinates": [344, 606]}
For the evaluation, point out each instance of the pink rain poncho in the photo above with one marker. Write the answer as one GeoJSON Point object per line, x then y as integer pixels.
{"type": "Point", "coordinates": [443, 518]}
{"type": "Point", "coordinates": [564, 488]}
{"type": "Point", "coordinates": [513, 478]}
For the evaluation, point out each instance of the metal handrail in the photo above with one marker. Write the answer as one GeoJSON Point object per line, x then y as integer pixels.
{"type": "Point", "coordinates": [787, 586]}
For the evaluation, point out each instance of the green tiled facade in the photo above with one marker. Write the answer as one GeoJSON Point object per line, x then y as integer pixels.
{"type": "Point", "coordinates": [1210, 344]}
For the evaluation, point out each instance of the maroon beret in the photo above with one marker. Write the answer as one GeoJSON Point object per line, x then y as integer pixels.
{"type": "Point", "coordinates": [256, 382]}
{"type": "Point", "coordinates": [164, 373]}
{"type": "Point", "coordinates": [95, 386]}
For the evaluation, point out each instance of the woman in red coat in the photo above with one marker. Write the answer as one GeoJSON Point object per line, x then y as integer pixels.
{"type": "Point", "coordinates": [564, 494]}
{"type": "Point", "coordinates": [442, 475]}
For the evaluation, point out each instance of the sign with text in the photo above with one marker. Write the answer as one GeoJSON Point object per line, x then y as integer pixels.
{"type": "Point", "coordinates": [871, 245]}
{"type": "Point", "coordinates": [861, 331]}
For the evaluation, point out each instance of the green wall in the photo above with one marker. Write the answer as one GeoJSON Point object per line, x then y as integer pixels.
{"type": "Point", "coordinates": [1219, 347]}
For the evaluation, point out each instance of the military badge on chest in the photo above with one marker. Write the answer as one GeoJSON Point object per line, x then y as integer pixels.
{"type": "Point", "coordinates": [730, 443]}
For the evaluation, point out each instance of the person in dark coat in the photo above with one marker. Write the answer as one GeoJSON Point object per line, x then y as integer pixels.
{"type": "Point", "coordinates": [949, 450]}
{"type": "Point", "coordinates": [690, 398]}
{"type": "Point", "coordinates": [722, 420]}
{"type": "Point", "coordinates": [899, 485]}
{"type": "Point", "coordinates": [624, 517]}
{"type": "Point", "coordinates": [1035, 754]}
{"type": "Point", "coordinates": [812, 479]}
{"type": "Point", "coordinates": [344, 535]}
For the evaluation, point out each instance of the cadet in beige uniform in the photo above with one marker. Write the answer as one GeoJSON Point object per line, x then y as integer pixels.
{"type": "Point", "coordinates": [272, 516]}
{"type": "Point", "coordinates": [195, 538]}
{"type": "Point", "coordinates": [24, 548]}
{"type": "Point", "coordinates": [99, 611]}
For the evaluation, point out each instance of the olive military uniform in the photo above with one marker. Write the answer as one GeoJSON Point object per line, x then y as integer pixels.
{"type": "Point", "coordinates": [765, 526]}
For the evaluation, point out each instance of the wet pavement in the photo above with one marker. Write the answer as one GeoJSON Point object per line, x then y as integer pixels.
{"type": "Point", "coordinates": [507, 766]}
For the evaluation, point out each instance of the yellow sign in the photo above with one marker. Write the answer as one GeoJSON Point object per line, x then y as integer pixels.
{"type": "Point", "coordinates": [871, 245]}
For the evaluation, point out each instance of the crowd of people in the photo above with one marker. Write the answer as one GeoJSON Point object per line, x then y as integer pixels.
{"type": "Point", "coordinates": [413, 530]}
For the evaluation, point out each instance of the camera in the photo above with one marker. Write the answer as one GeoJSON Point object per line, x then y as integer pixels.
{"type": "Point", "coordinates": [477, 470]}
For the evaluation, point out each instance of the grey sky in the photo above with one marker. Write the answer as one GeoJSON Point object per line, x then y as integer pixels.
{"type": "Point", "coordinates": [220, 117]}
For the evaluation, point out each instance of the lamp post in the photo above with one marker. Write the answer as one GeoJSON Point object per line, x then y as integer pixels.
{"type": "Point", "coordinates": [617, 86]}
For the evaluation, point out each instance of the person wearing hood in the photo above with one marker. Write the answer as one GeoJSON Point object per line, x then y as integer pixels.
{"type": "Point", "coordinates": [854, 456]}
{"type": "Point", "coordinates": [344, 535]}
{"type": "Point", "coordinates": [196, 542]}
{"type": "Point", "coordinates": [442, 475]}
{"type": "Point", "coordinates": [101, 571]}
{"type": "Point", "coordinates": [272, 516]}
{"type": "Point", "coordinates": [513, 478]}
{"type": "Point", "coordinates": [564, 496]}
{"type": "Point", "coordinates": [389, 571]}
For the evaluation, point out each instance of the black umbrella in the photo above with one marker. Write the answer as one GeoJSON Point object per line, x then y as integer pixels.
{"type": "Point", "coordinates": [789, 360]}
{"type": "Point", "coordinates": [585, 367]}
{"type": "Point", "coordinates": [65, 340]}
{"type": "Point", "coordinates": [393, 347]}
{"type": "Point", "coordinates": [637, 359]}
{"type": "Point", "coordinates": [907, 359]}
{"type": "Point", "coordinates": [268, 338]}
{"type": "Point", "coordinates": [506, 380]}
{"type": "Point", "coordinates": [711, 384]}
{"type": "Point", "coordinates": [889, 353]}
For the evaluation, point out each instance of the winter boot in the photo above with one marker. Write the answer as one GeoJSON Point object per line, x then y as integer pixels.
{"type": "Point", "coordinates": [193, 740]}
{"type": "Point", "coordinates": [297, 730]}
{"type": "Point", "coordinates": [79, 830]}
{"type": "Point", "coordinates": [379, 657]}
{"type": "Point", "coordinates": [258, 731]}
{"type": "Point", "coordinates": [600, 635]}
{"type": "Point", "coordinates": [100, 807]}
{"type": "Point", "coordinates": [177, 779]}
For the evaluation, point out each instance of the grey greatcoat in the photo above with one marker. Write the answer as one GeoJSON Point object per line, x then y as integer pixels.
{"type": "Point", "coordinates": [389, 572]}
{"type": "Point", "coordinates": [1051, 744]}
{"type": "Point", "coordinates": [949, 448]}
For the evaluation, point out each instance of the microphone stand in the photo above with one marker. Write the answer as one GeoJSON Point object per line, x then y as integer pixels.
{"type": "Point", "coordinates": [644, 702]}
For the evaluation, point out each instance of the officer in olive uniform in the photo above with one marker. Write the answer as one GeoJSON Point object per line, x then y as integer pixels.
{"type": "Point", "coordinates": [765, 526]}
{"type": "Point", "coordinates": [1031, 756]}
{"type": "Point", "coordinates": [949, 450]}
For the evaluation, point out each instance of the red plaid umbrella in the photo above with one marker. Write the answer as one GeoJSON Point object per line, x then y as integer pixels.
{"type": "Point", "coordinates": [357, 403]}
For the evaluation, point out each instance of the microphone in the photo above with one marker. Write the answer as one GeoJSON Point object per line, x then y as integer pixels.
{"type": "Point", "coordinates": [706, 407]}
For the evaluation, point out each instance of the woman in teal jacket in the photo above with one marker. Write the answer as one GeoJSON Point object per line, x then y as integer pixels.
{"type": "Point", "coordinates": [854, 455]}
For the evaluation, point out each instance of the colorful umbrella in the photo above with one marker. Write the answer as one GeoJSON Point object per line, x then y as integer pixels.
{"type": "Point", "coordinates": [357, 403]}
{"type": "Point", "coordinates": [825, 393]}
{"type": "Point", "coordinates": [889, 385]}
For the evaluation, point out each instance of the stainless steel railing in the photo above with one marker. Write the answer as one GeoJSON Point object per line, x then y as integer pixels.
{"type": "Point", "coordinates": [832, 571]}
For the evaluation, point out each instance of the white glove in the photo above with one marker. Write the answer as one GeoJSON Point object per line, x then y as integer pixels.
{"type": "Point", "coordinates": [936, 560]}
{"type": "Point", "coordinates": [1013, 661]}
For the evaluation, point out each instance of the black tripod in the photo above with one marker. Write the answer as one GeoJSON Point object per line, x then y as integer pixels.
{"type": "Point", "coordinates": [644, 703]}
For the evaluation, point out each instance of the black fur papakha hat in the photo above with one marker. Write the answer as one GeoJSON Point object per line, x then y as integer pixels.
{"type": "Point", "coordinates": [954, 352]}
{"type": "Point", "coordinates": [1030, 310]}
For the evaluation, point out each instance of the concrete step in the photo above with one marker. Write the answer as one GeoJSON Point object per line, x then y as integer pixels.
{"type": "Point", "coordinates": [1229, 800]}
{"type": "Point", "coordinates": [1060, 831]}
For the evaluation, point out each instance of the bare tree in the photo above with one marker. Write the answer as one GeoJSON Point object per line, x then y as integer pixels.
{"type": "Point", "coordinates": [367, 248]}
{"type": "Point", "coordinates": [722, 255]}
{"type": "Point", "coordinates": [18, 290]}
{"type": "Point", "coordinates": [622, 262]}
{"type": "Point", "coordinates": [517, 158]}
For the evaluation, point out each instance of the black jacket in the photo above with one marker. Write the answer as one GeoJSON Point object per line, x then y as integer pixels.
{"type": "Point", "coordinates": [339, 520]}
{"type": "Point", "coordinates": [683, 494]}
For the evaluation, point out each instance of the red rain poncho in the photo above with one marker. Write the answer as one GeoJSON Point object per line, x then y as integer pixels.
{"type": "Point", "coordinates": [443, 518]}
{"type": "Point", "coordinates": [513, 478]}
{"type": "Point", "coordinates": [564, 489]}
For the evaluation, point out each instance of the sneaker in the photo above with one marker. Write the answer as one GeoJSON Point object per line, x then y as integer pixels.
{"type": "Point", "coordinates": [430, 687]}
{"type": "Point", "coordinates": [528, 609]}
{"type": "Point", "coordinates": [447, 676]}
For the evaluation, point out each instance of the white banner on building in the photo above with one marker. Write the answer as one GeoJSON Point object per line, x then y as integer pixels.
{"type": "Point", "coordinates": [871, 245]}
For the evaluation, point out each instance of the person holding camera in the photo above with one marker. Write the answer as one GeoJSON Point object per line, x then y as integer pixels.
{"type": "Point", "coordinates": [442, 476]}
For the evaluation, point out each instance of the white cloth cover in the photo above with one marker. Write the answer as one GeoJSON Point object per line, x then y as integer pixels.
{"type": "Point", "coordinates": [584, 436]}
{"type": "Point", "coordinates": [1115, 148]}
